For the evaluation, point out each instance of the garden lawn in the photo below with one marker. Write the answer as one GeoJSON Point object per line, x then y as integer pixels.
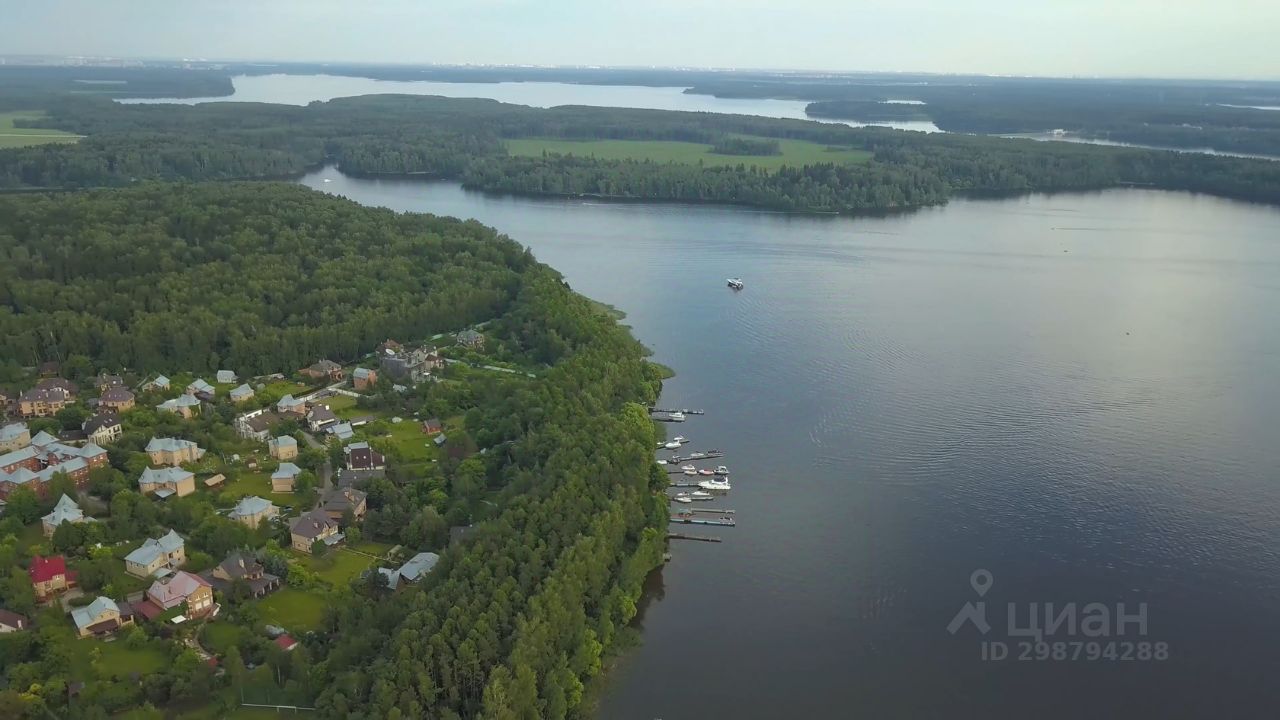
{"type": "Point", "coordinates": [257, 483]}
{"type": "Point", "coordinates": [293, 609]}
{"type": "Point", "coordinates": [118, 660]}
{"type": "Point", "coordinates": [339, 567]}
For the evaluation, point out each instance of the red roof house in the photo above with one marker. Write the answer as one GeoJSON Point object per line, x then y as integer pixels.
{"type": "Point", "coordinates": [49, 576]}
{"type": "Point", "coordinates": [286, 643]}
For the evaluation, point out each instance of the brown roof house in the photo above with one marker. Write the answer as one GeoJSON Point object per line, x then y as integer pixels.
{"type": "Point", "coordinates": [362, 457]}
{"type": "Point", "coordinates": [116, 398]}
{"type": "Point", "coordinates": [12, 622]}
{"type": "Point", "coordinates": [103, 428]}
{"type": "Point", "coordinates": [173, 451]}
{"type": "Point", "coordinates": [313, 526]}
{"type": "Point", "coordinates": [324, 369]}
{"type": "Point", "coordinates": [239, 567]}
{"type": "Point", "coordinates": [338, 502]}
{"type": "Point", "coordinates": [101, 617]}
{"type": "Point", "coordinates": [46, 398]}
{"type": "Point", "coordinates": [321, 417]}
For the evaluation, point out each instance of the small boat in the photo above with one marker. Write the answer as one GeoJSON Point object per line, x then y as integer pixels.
{"type": "Point", "coordinates": [715, 484]}
{"type": "Point", "coordinates": [687, 468]}
{"type": "Point", "coordinates": [673, 445]}
{"type": "Point", "coordinates": [690, 472]}
{"type": "Point", "coordinates": [682, 499]}
{"type": "Point", "coordinates": [700, 495]}
{"type": "Point", "coordinates": [662, 462]}
{"type": "Point", "coordinates": [706, 471]}
{"type": "Point", "coordinates": [722, 470]}
{"type": "Point", "coordinates": [736, 283]}
{"type": "Point", "coordinates": [697, 455]}
{"type": "Point", "coordinates": [676, 417]}
{"type": "Point", "coordinates": [680, 439]}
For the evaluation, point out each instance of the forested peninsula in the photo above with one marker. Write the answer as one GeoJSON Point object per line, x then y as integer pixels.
{"type": "Point", "coordinates": [467, 140]}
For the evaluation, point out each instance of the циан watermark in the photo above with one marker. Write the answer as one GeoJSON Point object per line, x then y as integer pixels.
{"type": "Point", "coordinates": [1049, 631]}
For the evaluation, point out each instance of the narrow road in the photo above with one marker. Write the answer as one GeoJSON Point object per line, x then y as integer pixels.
{"type": "Point", "coordinates": [326, 471]}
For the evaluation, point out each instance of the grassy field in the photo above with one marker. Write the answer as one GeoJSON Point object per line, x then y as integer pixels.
{"type": "Point", "coordinates": [11, 137]}
{"type": "Point", "coordinates": [339, 567]}
{"type": "Point", "coordinates": [794, 152]}
{"type": "Point", "coordinates": [411, 442]}
{"type": "Point", "coordinates": [294, 610]}
{"type": "Point", "coordinates": [115, 659]}
{"type": "Point", "coordinates": [257, 483]}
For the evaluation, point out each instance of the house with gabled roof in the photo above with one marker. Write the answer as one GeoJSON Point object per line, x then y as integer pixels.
{"type": "Point", "coordinates": [283, 447]}
{"type": "Point", "coordinates": [116, 398]}
{"type": "Point", "coordinates": [290, 404]}
{"type": "Point", "coordinates": [159, 383]}
{"type": "Point", "coordinates": [173, 451]}
{"type": "Point", "coordinates": [253, 510]}
{"type": "Point", "coordinates": [362, 457]}
{"type": "Point", "coordinates": [104, 427]}
{"type": "Point", "coordinates": [321, 417]}
{"type": "Point", "coordinates": [341, 432]}
{"type": "Point", "coordinates": [363, 378]}
{"type": "Point", "coordinates": [13, 622]}
{"type": "Point", "coordinates": [14, 437]}
{"type": "Point", "coordinates": [157, 556]}
{"type": "Point", "coordinates": [185, 589]}
{"type": "Point", "coordinates": [167, 482]}
{"type": "Point", "coordinates": [244, 568]}
{"type": "Point", "coordinates": [410, 572]}
{"type": "Point", "coordinates": [66, 511]}
{"type": "Point", "coordinates": [49, 576]}
{"type": "Point", "coordinates": [101, 617]}
{"type": "Point", "coordinates": [225, 377]}
{"type": "Point", "coordinates": [285, 477]}
{"type": "Point", "coordinates": [324, 369]}
{"type": "Point", "coordinates": [188, 406]}
{"type": "Point", "coordinates": [35, 465]}
{"type": "Point", "coordinates": [312, 526]}
{"type": "Point", "coordinates": [241, 393]}
{"type": "Point", "coordinates": [338, 502]}
{"type": "Point", "coordinates": [199, 388]}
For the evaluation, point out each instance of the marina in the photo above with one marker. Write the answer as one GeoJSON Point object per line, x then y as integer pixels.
{"type": "Point", "coordinates": [685, 520]}
{"type": "Point", "coordinates": [699, 538]}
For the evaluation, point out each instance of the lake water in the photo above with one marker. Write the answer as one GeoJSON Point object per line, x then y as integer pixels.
{"type": "Point", "coordinates": [303, 89]}
{"type": "Point", "coordinates": [1077, 393]}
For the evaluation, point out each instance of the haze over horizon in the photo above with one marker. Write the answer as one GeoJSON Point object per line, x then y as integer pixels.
{"type": "Point", "coordinates": [1092, 38]}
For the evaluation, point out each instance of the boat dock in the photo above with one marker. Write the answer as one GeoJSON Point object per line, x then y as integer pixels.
{"type": "Point", "coordinates": [673, 410]}
{"type": "Point", "coordinates": [699, 538]}
{"type": "Point", "coordinates": [685, 520]}
{"type": "Point", "coordinates": [711, 511]}
{"type": "Point", "coordinates": [684, 484]}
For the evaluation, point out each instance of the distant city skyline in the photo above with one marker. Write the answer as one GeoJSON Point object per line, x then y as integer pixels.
{"type": "Point", "coordinates": [1193, 39]}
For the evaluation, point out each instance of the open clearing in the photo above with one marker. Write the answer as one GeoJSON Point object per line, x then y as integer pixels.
{"type": "Point", "coordinates": [794, 152]}
{"type": "Point", "coordinates": [11, 137]}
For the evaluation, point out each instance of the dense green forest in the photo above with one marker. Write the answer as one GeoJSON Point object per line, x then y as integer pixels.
{"type": "Point", "coordinates": [516, 620]}
{"type": "Point", "coordinates": [463, 139]}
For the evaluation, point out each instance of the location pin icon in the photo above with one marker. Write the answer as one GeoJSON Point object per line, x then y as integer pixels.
{"type": "Point", "coordinates": [981, 581]}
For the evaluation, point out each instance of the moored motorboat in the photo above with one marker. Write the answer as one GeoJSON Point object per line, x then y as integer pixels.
{"type": "Point", "coordinates": [676, 417]}
{"type": "Point", "coordinates": [722, 470]}
{"type": "Point", "coordinates": [680, 439]}
{"type": "Point", "coordinates": [687, 468]}
{"type": "Point", "coordinates": [673, 445]}
{"type": "Point", "coordinates": [700, 495]}
{"type": "Point", "coordinates": [697, 455]}
{"type": "Point", "coordinates": [706, 471]}
{"type": "Point", "coordinates": [736, 283]}
{"type": "Point", "coordinates": [690, 472]}
{"type": "Point", "coordinates": [715, 484]}
{"type": "Point", "coordinates": [682, 498]}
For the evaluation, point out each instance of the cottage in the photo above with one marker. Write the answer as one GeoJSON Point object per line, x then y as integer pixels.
{"type": "Point", "coordinates": [364, 378]}
{"type": "Point", "coordinates": [290, 404]}
{"type": "Point", "coordinates": [103, 428]}
{"type": "Point", "coordinates": [414, 365]}
{"type": "Point", "coordinates": [105, 382]}
{"type": "Point", "coordinates": [362, 457]}
{"type": "Point", "coordinates": [320, 418]}
{"type": "Point", "coordinates": [173, 451]}
{"type": "Point", "coordinates": [286, 642]}
{"type": "Point", "coordinates": [14, 437]}
{"type": "Point", "coordinates": [340, 501]}
{"type": "Point", "coordinates": [66, 511]}
{"type": "Point", "coordinates": [43, 402]}
{"type": "Point", "coordinates": [285, 477]}
{"type": "Point", "coordinates": [157, 556]}
{"type": "Point", "coordinates": [312, 526]}
{"type": "Point", "coordinates": [225, 377]}
{"type": "Point", "coordinates": [253, 510]}
{"type": "Point", "coordinates": [49, 576]}
{"type": "Point", "coordinates": [199, 387]}
{"type": "Point", "coordinates": [389, 347]}
{"type": "Point", "coordinates": [324, 369]}
{"type": "Point", "coordinates": [432, 426]}
{"type": "Point", "coordinates": [12, 621]}
{"type": "Point", "coordinates": [241, 393]}
{"type": "Point", "coordinates": [283, 448]}
{"type": "Point", "coordinates": [185, 589]}
{"type": "Point", "coordinates": [116, 398]}
{"type": "Point", "coordinates": [188, 406]}
{"type": "Point", "coordinates": [101, 617]}
{"type": "Point", "coordinates": [257, 424]}
{"type": "Point", "coordinates": [159, 383]}
{"type": "Point", "coordinates": [412, 571]}
{"type": "Point", "coordinates": [354, 478]}
{"type": "Point", "coordinates": [342, 432]}
{"type": "Point", "coordinates": [238, 567]}
{"type": "Point", "coordinates": [471, 339]}
{"type": "Point", "coordinates": [34, 465]}
{"type": "Point", "coordinates": [166, 482]}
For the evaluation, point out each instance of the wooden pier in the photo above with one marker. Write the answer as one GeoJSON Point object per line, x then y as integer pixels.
{"type": "Point", "coordinates": [684, 484]}
{"type": "Point", "coordinates": [711, 511]}
{"type": "Point", "coordinates": [673, 410]}
{"type": "Point", "coordinates": [699, 538]}
{"type": "Point", "coordinates": [684, 520]}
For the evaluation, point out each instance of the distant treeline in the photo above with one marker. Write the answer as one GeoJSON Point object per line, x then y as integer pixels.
{"type": "Point", "coordinates": [463, 139]}
{"type": "Point", "coordinates": [746, 146]}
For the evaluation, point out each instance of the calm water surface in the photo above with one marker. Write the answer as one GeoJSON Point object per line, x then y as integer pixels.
{"type": "Point", "coordinates": [1077, 393]}
{"type": "Point", "coordinates": [303, 89]}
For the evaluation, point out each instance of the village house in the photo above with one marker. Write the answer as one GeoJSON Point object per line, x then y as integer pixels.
{"type": "Point", "coordinates": [201, 389]}
{"type": "Point", "coordinates": [283, 448]}
{"type": "Point", "coordinates": [12, 622]}
{"type": "Point", "coordinates": [105, 382]}
{"type": "Point", "coordinates": [257, 425]}
{"type": "Point", "coordinates": [341, 432]}
{"type": "Point", "coordinates": [188, 406]}
{"type": "Point", "coordinates": [66, 511]}
{"type": "Point", "coordinates": [103, 428]}
{"type": "Point", "coordinates": [241, 393]}
{"type": "Point", "coordinates": [363, 378]}
{"type": "Point", "coordinates": [253, 510]}
{"type": "Point", "coordinates": [34, 465]}
{"type": "Point", "coordinates": [432, 426]}
{"type": "Point", "coordinates": [312, 526]}
{"type": "Point", "coordinates": [14, 437]}
{"type": "Point", "coordinates": [166, 482]}
{"type": "Point", "coordinates": [157, 556]}
{"type": "Point", "coordinates": [354, 478]}
{"type": "Point", "coordinates": [225, 377]}
{"type": "Point", "coordinates": [116, 398]}
{"type": "Point", "coordinates": [173, 451]}
{"type": "Point", "coordinates": [49, 576]}
{"type": "Point", "coordinates": [101, 617]}
{"type": "Point", "coordinates": [159, 383]}
{"type": "Point", "coordinates": [284, 477]}
{"type": "Point", "coordinates": [292, 405]}
{"type": "Point", "coordinates": [413, 365]}
{"type": "Point", "coordinates": [320, 417]}
{"type": "Point", "coordinates": [185, 589]}
{"type": "Point", "coordinates": [410, 572]}
{"type": "Point", "coordinates": [362, 457]}
{"type": "Point", "coordinates": [388, 347]}
{"type": "Point", "coordinates": [238, 567]}
{"type": "Point", "coordinates": [324, 369]}
{"type": "Point", "coordinates": [471, 339]}
{"type": "Point", "coordinates": [338, 502]}
{"type": "Point", "coordinates": [43, 402]}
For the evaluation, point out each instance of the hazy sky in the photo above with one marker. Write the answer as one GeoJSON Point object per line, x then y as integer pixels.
{"type": "Point", "coordinates": [1164, 38]}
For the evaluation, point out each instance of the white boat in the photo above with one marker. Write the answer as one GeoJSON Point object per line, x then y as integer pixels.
{"type": "Point", "coordinates": [706, 471]}
{"type": "Point", "coordinates": [690, 472]}
{"type": "Point", "coordinates": [687, 468]}
{"type": "Point", "coordinates": [722, 470]}
{"type": "Point", "coordinates": [673, 445]}
{"type": "Point", "coordinates": [736, 283]}
{"type": "Point", "coordinates": [662, 462]}
{"type": "Point", "coordinates": [697, 455]}
{"type": "Point", "coordinates": [715, 484]}
{"type": "Point", "coordinates": [680, 439]}
{"type": "Point", "coordinates": [682, 499]}
{"type": "Point", "coordinates": [676, 417]}
{"type": "Point", "coordinates": [700, 495]}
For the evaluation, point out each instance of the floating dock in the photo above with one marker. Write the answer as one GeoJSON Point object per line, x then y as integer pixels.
{"type": "Point", "coordinates": [673, 410]}
{"type": "Point", "coordinates": [685, 520]}
{"type": "Point", "coordinates": [699, 538]}
{"type": "Point", "coordinates": [712, 511]}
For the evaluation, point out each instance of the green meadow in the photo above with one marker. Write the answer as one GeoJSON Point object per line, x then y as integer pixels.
{"type": "Point", "coordinates": [11, 136]}
{"type": "Point", "coordinates": [794, 152]}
